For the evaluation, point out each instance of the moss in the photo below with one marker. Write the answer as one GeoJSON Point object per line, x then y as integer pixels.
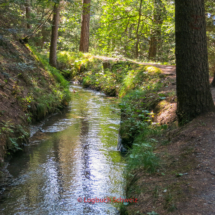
{"type": "Point", "coordinates": [152, 70]}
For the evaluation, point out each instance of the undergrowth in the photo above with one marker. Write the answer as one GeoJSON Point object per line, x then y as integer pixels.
{"type": "Point", "coordinates": [29, 90]}
{"type": "Point", "coordinates": [43, 102]}
{"type": "Point", "coordinates": [139, 133]}
{"type": "Point", "coordinates": [72, 64]}
{"type": "Point", "coordinates": [15, 135]}
{"type": "Point", "coordinates": [138, 86]}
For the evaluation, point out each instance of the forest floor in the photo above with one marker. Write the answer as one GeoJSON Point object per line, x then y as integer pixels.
{"type": "Point", "coordinates": [185, 183]}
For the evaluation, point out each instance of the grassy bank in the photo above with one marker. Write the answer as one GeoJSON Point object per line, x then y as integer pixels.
{"type": "Point", "coordinates": [29, 90]}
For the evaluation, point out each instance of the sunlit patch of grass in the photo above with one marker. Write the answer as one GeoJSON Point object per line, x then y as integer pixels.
{"type": "Point", "coordinates": [152, 69]}
{"type": "Point", "coordinates": [75, 63]}
{"type": "Point", "coordinates": [141, 77]}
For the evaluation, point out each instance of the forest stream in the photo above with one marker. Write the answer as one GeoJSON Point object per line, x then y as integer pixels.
{"type": "Point", "coordinates": [78, 162]}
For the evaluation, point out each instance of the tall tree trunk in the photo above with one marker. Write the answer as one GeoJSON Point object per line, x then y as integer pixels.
{"type": "Point", "coordinates": [193, 91]}
{"type": "Point", "coordinates": [85, 27]}
{"type": "Point", "coordinates": [137, 31]}
{"type": "Point", "coordinates": [54, 37]}
{"type": "Point", "coordinates": [155, 38]}
{"type": "Point", "coordinates": [28, 12]}
{"type": "Point", "coordinates": [152, 47]}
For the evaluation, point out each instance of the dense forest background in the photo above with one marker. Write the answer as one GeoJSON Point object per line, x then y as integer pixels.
{"type": "Point", "coordinates": [142, 29]}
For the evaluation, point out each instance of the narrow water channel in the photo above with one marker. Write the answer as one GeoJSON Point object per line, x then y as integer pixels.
{"type": "Point", "coordinates": [78, 160]}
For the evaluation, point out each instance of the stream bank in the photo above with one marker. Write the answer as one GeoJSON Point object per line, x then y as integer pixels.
{"type": "Point", "coordinates": [29, 90]}
{"type": "Point", "coordinates": [73, 159]}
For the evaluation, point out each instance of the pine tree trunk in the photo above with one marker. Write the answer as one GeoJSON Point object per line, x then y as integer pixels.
{"type": "Point", "coordinates": [193, 91]}
{"type": "Point", "coordinates": [54, 37]}
{"type": "Point", "coordinates": [85, 27]}
{"type": "Point", "coordinates": [28, 12]}
{"type": "Point", "coordinates": [152, 48]}
{"type": "Point", "coordinates": [155, 38]}
{"type": "Point", "coordinates": [137, 31]}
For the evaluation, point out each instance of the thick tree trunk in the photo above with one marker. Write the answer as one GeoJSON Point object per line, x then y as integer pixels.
{"type": "Point", "coordinates": [193, 91]}
{"type": "Point", "coordinates": [28, 12]}
{"type": "Point", "coordinates": [54, 37]}
{"type": "Point", "coordinates": [85, 27]}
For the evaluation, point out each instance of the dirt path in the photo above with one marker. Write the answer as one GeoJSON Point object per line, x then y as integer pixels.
{"type": "Point", "coordinates": [167, 69]}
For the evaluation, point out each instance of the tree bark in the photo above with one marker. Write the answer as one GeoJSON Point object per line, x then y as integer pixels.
{"type": "Point", "coordinates": [85, 27]}
{"type": "Point", "coordinates": [193, 91]}
{"type": "Point", "coordinates": [28, 13]}
{"type": "Point", "coordinates": [54, 37]}
{"type": "Point", "coordinates": [213, 82]}
{"type": "Point", "coordinates": [155, 38]}
{"type": "Point", "coordinates": [152, 47]}
{"type": "Point", "coordinates": [137, 31]}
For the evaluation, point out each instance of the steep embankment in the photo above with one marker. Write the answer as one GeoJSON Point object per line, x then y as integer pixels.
{"type": "Point", "coordinates": [29, 90]}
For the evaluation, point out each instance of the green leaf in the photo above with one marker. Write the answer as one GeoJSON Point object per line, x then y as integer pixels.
{"type": "Point", "coordinates": [179, 174]}
{"type": "Point", "coordinates": [146, 145]}
{"type": "Point", "coordinates": [152, 213]}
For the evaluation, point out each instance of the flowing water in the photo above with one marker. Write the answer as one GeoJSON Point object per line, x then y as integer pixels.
{"type": "Point", "coordinates": [77, 159]}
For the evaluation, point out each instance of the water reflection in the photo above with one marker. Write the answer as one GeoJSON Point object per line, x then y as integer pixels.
{"type": "Point", "coordinates": [78, 160]}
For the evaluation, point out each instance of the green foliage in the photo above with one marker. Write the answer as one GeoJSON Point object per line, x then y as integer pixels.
{"type": "Point", "coordinates": [123, 209]}
{"type": "Point", "coordinates": [140, 78]}
{"type": "Point", "coordinates": [121, 78]}
{"type": "Point", "coordinates": [73, 64]}
{"type": "Point", "coordinates": [140, 95]}
{"type": "Point", "coordinates": [119, 32]}
{"type": "Point", "coordinates": [114, 28]}
{"type": "Point", "coordinates": [7, 127]}
{"type": "Point", "coordinates": [47, 102]}
{"type": "Point", "coordinates": [142, 156]}
{"type": "Point", "coordinates": [52, 71]}
{"type": "Point", "coordinates": [14, 134]}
